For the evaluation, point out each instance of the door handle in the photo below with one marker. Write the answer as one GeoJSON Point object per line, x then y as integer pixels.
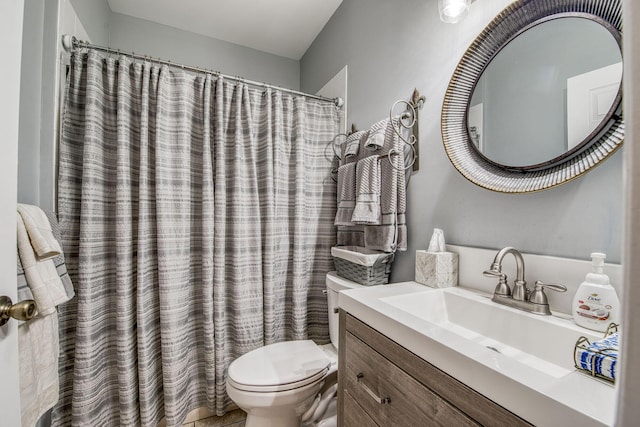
{"type": "Point", "coordinates": [23, 310]}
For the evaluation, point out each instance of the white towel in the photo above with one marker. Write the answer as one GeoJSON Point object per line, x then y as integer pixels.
{"type": "Point", "coordinates": [42, 276]}
{"type": "Point", "coordinates": [38, 338]}
{"type": "Point", "coordinates": [39, 346]}
{"type": "Point", "coordinates": [367, 208]}
{"type": "Point", "coordinates": [38, 227]}
{"type": "Point", "coordinates": [346, 194]}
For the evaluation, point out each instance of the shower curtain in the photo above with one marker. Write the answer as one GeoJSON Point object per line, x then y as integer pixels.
{"type": "Point", "coordinates": [197, 217]}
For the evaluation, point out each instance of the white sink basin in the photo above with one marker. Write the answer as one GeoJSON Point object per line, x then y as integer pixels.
{"type": "Point", "coordinates": [544, 343]}
{"type": "Point", "coordinates": [452, 328]}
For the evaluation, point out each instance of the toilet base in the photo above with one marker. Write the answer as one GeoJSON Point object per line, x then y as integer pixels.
{"type": "Point", "coordinates": [329, 418]}
{"type": "Point", "coordinates": [275, 409]}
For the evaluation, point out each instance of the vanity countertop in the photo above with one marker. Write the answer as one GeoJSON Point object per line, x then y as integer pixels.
{"type": "Point", "coordinates": [544, 400]}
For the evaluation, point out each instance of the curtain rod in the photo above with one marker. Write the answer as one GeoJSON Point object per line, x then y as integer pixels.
{"type": "Point", "coordinates": [72, 44]}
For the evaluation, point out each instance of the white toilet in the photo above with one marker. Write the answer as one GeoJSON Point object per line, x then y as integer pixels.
{"type": "Point", "coordinates": [288, 383]}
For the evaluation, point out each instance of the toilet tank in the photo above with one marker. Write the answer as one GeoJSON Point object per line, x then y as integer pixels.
{"type": "Point", "coordinates": [336, 284]}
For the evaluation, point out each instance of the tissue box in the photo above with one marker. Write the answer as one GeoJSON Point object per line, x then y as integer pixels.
{"type": "Point", "coordinates": [437, 269]}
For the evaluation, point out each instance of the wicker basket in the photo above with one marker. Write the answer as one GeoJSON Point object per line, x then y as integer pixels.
{"type": "Point", "coordinates": [361, 265]}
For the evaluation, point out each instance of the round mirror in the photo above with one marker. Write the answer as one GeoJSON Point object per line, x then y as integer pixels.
{"type": "Point", "coordinates": [536, 100]}
{"type": "Point", "coordinates": [545, 92]}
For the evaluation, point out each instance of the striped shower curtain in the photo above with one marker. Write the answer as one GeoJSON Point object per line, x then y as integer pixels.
{"type": "Point", "coordinates": [197, 219]}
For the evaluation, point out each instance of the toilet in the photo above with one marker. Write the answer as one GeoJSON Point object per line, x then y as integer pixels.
{"type": "Point", "coordinates": [291, 383]}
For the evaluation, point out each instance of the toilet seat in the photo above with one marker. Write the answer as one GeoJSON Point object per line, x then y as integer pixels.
{"type": "Point", "coordinates": [279, 367]}
{"type": "Point", "coordinates": [278, 387]}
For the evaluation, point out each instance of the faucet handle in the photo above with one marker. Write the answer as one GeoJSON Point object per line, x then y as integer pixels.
{"type": "Point", "coordinates": [539, 297]}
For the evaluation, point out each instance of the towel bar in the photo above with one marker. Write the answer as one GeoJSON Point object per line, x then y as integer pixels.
{"type": "Point", "coordinates": [406, 120]}
{"type": "Point", "coordinates": [23, 310]}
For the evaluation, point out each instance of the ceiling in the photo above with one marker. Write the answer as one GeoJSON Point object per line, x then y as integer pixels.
{"type": "Point", "coordinates": [281, 27]}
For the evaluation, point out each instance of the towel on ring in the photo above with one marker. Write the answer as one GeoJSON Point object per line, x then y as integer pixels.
{"type": "Point", "coordinates": [24, 292]}
{"type": "Point", "coordinates": [391, 234]}
{"type": "Point", "coordinates": [376, 137]}
{"type": "Point", "coordinates": [346, 194]}
{"type": "Point", "coordinates": [352, 145]}
{"type": "Point", "coordinates": [350, 236]}
{"type": "Point", "coordinates": [59, 261]}
{"type": "Point", "coordinates": [367, 208]}
{"type": "Point", "coordinates": [35, 220]}
{"type": "Point", "coordinates": [42, 276]}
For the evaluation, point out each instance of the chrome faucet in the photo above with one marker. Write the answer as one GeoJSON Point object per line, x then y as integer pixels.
{"type": "Point", "coordinates": [534, 301]}
{"type": "Point", "coordinates": [519, 285]}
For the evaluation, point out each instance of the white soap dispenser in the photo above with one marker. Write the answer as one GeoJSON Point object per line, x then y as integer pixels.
{"type": "Point", "coordinates": [596, 304]}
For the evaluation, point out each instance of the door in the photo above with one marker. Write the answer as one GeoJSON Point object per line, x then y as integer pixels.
{"type": "Point", "coordinates": [589, 99]}
{"type": "Point", "coordinates": [11, 18]}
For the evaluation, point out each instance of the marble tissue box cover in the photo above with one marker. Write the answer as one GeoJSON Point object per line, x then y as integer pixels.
{"type": "Point", "coordinates": [437, 269]}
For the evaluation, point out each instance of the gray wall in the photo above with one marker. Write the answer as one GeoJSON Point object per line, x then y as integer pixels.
{"type": "Point", "coordinates": [88, 20]}
{"type": "Point", "coordinates": [138, 35]}
{"type": "Point", "coordinates": [392, 47]}
{"type": "Point", "coordinates": [42, 80]}
{"type": "Point", "coordinates": [30, 102]}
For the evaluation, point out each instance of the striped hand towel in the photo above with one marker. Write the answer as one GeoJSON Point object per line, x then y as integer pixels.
{"type": "Point", "coordinates": [39, 230]}
{"type": "Point", "coordinates": [24, 292]}
{"type": "Point", "coordinates": [352, 145]}
{"type": "Point", "coordinates": [376, 137]}
{"type": "Point", "coordinates": [346, 194]}
{"type": "Point", "coordinates": [391, 234]}
{"type": "Point", "coordinates": [42, 276]}
{"type": "Point", "coordinates": [367, 208]}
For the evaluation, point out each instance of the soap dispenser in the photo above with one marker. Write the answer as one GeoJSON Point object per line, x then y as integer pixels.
{"type": "Point", "coordinates": [596, 303]}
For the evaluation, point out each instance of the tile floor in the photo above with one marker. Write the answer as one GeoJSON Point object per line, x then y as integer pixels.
{"type": "Point", "coordinates": [203, 418]}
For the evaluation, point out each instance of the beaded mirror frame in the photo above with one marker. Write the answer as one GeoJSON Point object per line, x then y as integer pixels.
{"type": "Point", "coordinates": [508, 24]}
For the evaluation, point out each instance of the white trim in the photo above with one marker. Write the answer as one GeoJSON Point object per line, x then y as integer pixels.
{"type": "Point", "coordinates": [629, 387]}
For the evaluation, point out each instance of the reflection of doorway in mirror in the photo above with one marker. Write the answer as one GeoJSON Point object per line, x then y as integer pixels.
{"type": "Point", "coordinates": [589, 99]}
{"type": "Point", "coordinates": [475, 125]}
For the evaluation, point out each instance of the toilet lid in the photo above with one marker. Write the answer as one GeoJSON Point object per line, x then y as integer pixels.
{"type": "Point", "coordinates": [277, 367]}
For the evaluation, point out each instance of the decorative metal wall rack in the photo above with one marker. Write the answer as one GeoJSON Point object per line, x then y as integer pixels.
{"type": "Point", "coordinates": [407, 119]}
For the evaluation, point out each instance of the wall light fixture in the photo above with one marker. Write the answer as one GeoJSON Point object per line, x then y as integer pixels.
{"type": "Point", "coordinates": [452, 11]}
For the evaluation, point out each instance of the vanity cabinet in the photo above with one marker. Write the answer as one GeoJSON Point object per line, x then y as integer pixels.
{"type": "Point", "coordinates": [383, 384]}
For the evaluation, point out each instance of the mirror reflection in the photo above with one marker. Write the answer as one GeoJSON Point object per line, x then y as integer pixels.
{"type": "Point", "coordinates": [545, 92]}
